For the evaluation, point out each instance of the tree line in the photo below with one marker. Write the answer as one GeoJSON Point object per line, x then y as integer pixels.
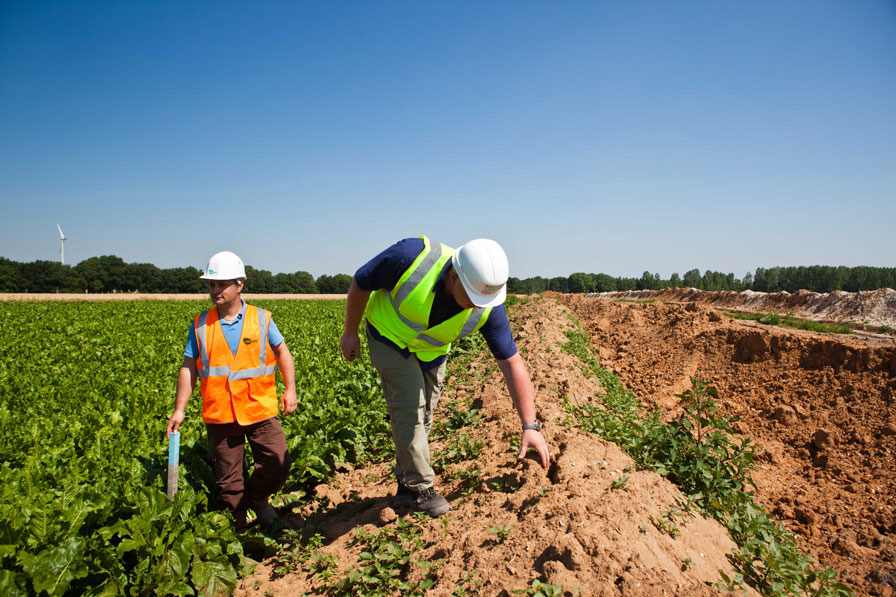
{"type": "Point", "coordinates": [817, 278]}
{"type": "Point", "coordinates": [111, 274]}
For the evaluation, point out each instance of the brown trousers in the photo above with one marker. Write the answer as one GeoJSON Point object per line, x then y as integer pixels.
{"type": "Point", "coordinates": [227, 443]}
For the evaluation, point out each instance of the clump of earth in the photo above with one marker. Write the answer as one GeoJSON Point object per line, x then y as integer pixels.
{"type": "Point", "coordinates": [819, 408]}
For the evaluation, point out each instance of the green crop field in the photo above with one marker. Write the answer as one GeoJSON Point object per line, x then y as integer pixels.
{"type": "Point", "coordinates": [85, 394]}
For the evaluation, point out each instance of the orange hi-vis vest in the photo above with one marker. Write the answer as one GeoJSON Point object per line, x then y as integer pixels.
{"type": "Point", "coordinates": [238, 387]}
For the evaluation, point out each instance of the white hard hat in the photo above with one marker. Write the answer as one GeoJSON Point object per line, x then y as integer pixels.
{"type": "Point", "coordinates": [224, 266]}
{"type": "Point", "coordinates": [483, 270]}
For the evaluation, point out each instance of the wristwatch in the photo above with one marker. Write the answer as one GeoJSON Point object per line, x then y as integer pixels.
{"type": "Point", "coordinates": [536, 425]}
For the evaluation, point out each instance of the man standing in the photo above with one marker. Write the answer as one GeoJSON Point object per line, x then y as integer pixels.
{"type": "Point", "coordinates": [420, 296]}
{"type": "Point", "coordinates": [234, 349]}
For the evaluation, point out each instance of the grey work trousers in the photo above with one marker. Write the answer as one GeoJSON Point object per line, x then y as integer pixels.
{"type": "Point", "coordinates": [412, 396]}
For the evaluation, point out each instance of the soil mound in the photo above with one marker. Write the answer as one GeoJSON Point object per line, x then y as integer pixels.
{"type": "Point", "coordinates": [820, 407]}
{"type": "Point", "coordinates": [568, 525]}
{"type": "Point", "coordinates": [873, 307]}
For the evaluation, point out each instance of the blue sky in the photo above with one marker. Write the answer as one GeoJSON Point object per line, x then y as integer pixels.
{"type": "Point", "coordinates": [594, 136]}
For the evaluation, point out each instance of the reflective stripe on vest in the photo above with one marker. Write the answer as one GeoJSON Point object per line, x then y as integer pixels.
{"type": "Point", "coordinates": [416, 285]}
{"type": "Point", "coordinates": [205, 351]}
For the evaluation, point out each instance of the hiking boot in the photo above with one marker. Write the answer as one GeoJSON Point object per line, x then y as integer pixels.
{"type": "Point", "coordinates": [264, 512]}
{"type": "Point", "coordinates": [431, 503]}
{"type": "Point", "coordinates": [404, 497]}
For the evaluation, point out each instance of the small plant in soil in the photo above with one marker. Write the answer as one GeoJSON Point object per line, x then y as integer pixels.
{"type": "Point", "coordinates": [502, 533]}
{"type": "Point", "coordinates": [470, 584]}
{"type": "Point", "coordinates": [460, 449]}
{"type": "Point", "coordinates": [620, 483]}
{"type": "Point", "coordinates": [386, 561]}
{"type": "Point", "coordinates": [543, 589]}
{"type": "Point", "coordinates": [665, 524]}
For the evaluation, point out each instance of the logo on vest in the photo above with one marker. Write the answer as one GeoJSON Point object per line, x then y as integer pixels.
{"type": "Point", "coordinates": [247, 340]}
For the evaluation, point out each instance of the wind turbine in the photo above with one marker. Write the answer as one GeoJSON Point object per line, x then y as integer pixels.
{"type": "Point", "coordinates": [61, 245]}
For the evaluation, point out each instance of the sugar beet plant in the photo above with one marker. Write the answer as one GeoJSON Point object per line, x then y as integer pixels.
{"type": "Point", "coordinates": [85, 393]}
{"type": "Point", "coordinates": [697, 452]}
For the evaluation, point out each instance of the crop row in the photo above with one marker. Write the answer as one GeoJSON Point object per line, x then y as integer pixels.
{"type": "Point", "coordinates": [85, 392]}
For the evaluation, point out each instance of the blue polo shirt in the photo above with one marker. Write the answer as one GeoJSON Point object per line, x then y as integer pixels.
{"type": "Point", "coordinates": [384, 271]}
{"type": "Point", "coordinates": [232, 332]}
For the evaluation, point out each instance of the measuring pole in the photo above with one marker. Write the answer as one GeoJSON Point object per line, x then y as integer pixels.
{"type": "Point", "coordinates": [173, 462]}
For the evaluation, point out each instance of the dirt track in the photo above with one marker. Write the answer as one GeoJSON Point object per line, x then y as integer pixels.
{"type": "Point", "coordinates": [819, 406]}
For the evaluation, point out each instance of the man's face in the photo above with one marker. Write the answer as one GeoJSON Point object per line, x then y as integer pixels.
{"type": "Point", "coordinates": [223, 292]}
{"type": "Point", "coordinates": [459, 293]}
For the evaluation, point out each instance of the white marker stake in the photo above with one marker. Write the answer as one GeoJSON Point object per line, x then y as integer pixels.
{"type": "Point", "coordinates": [173, 462]}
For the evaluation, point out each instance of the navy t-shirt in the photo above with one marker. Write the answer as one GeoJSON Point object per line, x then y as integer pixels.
{"type": "Point", "coordinates": [384, 271]}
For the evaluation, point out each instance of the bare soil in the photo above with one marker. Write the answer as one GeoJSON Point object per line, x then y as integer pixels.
{"type": "Point", "coordinates": [819, 407]}
{"type": "Point", "coordinates": [568, 525]}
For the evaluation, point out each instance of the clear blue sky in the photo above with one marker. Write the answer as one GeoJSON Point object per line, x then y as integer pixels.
{"type": "Point", "coordinates": [592, 136]}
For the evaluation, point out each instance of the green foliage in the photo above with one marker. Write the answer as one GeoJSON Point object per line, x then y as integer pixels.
{"type": "Point", "coordinates": [770, 319]}
{"type": "Point", "coordinates": [453, 416]}
{"type": "Point", "coordinates": [697, 453]}
{"type": "Point", "coordinates": [85, 393]}
{"type": "Point", "coordinates": [386, 561]}
{"type": "Point", "coordinates": [502, 533]}
{"type": "Point", "coordinates": [460, 448]}
{"type": "Point", "coordinates": [620, 483]}
{"type": "Point", "coordinates": [791, 321]}
{"type": "Point", "coordinates": [543, 589]}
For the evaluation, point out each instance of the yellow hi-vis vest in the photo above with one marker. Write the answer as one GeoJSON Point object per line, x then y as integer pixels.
{"type": "Point", "coordinates": [236, 387]}
{"type": "Point", "coordinates": [402, 314]}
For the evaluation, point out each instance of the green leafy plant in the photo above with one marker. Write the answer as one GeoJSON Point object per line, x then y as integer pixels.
{"type": "Point", "coordinates": [460, 448]}
{"type": "Point", "coordinates": [620, 483]}
{"type": "Point", "coordinates": [386, 560]}
{"type": "Point", "coordinates": [502, 533]}
{"type": "Point", "coordinates": [542, 589]}
{"type": "Point", "coordinates": [82, 485]}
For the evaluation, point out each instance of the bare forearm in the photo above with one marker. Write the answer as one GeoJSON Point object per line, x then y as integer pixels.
{"type": "Point", "coordinates": [287, 366]}
{"type": "Point", "coordinates": [519, 386]}
{"type": "Point", "coordinates": [186, 381]}
{"type": "Point", "coordinates": [356, 302]}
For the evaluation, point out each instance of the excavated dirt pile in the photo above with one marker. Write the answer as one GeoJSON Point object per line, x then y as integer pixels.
{"type": "Point", "coordinates": [819, 406]}
{"type": "Point", "coordinates": [860, 309]}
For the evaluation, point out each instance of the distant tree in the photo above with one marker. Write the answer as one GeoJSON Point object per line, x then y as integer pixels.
{"type": "Point", "coordinates": [147, 277]}
{"type": "Point", "coordinates": [624, 284]}
{"type": "Point", "coordinates": [581, 282]}
{"type": "Point", "coordinates": [514, 285]}
{"type": "Point", "coordinates": [675, 280]}
{"type": "Point", "coordinates": [605, 283]}
{"type": "Point", "coordinates": [338, 284]}
{"type": "Point", "coordinates": [9, 276]}
{"type": "Point", "coordinates": [692, 279]}
{"type": "Point", "coordinates": [185, 280]}
{"type": "Point", "coordinates": [559, 284]}
{"type": "Point", "coordinates": [295, 283]}
{"type": "Point", "coordinates": [748, 281]}
{"type": "Point", "coordinates": [106, 274]}
{"type": "Point", "coordinates": [259, 281]}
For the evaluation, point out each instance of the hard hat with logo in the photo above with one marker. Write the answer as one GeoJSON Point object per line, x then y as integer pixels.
{"type": "Point", "coordinates": [483, 270]}
{"type": "Point", "coordinates": [224, 266]}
